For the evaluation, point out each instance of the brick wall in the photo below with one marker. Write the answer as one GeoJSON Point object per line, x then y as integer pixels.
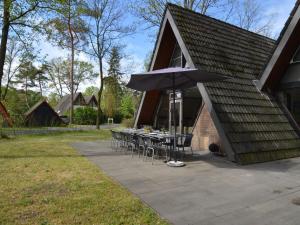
{"type": "Point", "coordinates": [204, 132]}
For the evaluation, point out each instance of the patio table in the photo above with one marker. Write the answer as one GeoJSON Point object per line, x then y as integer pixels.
{"type": "Point", "coordinates": [157, 139]}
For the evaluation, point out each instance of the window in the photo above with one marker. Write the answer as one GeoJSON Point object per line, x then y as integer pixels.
{"type": "Point", "coordinates": [296, 57]}
{"type": "Point", "coordinates": [177, 59]}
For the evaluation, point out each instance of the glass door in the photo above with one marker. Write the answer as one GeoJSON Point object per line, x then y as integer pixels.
{"type": "Point", "coordinates": [178, 116]}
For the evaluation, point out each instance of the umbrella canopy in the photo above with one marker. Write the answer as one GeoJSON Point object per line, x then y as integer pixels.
{"type": "Point", "coordinates": [170, 78]}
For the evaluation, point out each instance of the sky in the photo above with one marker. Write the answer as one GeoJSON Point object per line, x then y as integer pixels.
{"type": "Point", "coordinates": [141, 43]}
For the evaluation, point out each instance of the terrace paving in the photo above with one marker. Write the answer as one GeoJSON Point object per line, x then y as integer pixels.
{"type": "Point", "coordinates": [209, 190]}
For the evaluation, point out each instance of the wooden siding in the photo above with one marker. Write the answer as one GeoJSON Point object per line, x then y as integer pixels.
{"type": "Point", "coordinates": [162, 61]}
{"type": "Point", "coordinates": [148, 109]}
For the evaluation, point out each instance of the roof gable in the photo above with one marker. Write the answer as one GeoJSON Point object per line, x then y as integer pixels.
{"type": "Point", "coordinates": [38, 110]}
{"type": "Point", "coordinates": [89, 99]}
{"type": "Point", "coordinates": [65, 103]}
{"type": "Point", "coordinates": [40, 103]}
{"type": "Point", "coordinates": [287, 43]}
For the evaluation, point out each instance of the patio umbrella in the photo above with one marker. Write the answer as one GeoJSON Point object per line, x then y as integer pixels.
{"type": "Point", "coordinates": [171, 79]}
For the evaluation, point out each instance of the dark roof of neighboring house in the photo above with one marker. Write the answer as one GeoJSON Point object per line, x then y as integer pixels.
{"type": "Point", "coordinates": [65, 103]}
{"type": "Point", "coordinates": [255, 125]}
{"type": "Point", "coordinates": [88, 99]}
{"type": "Point", "coordinates": [37, 105]}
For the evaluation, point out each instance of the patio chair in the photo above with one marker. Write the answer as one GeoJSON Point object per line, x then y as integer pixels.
{"type": "Point", "coordinates": [141, 145]}
{"type": "Point", "coordinates": [160, 149]}
{"type": "Point", "coordinates": [128, 142]}
{"type": "Point", "coordinates": [185, 142]}
{"type": "Point", "coordinates": [168, 144]}
{"type": "Point", "coordinates": [149, 150]}
{"type": "Point", "coordinates": [124, 141]}
{"type": "Point", "coordinates": [132, 143]}
{"type": "Point", "coordinates": [114, 140]}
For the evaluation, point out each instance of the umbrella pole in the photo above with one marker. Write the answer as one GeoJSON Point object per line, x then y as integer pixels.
{"type": "Point", "coordinates": [174, 120]}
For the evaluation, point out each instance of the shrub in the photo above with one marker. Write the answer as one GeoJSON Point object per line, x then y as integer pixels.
{"type": "Point", "coordinates": [118, 117]}
{"type": "Point", "coordinates": [85, 116]}
{"type": "Point", "coordinates": [127, 106]}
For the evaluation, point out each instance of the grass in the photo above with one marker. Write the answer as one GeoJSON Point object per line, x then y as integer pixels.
{"type": "Point", "coordinates": [44, 181]}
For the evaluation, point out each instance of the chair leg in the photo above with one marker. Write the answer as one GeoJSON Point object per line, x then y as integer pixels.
{"type": "Point", "coordinates": [141, 148]}
{"type": "Point", "coordinates": [166, 149]}
{"type": "Point", "coordinates": [132, 150]}
{"type": "Point", "coordinates": [153, 153]}
{"type": "Point", "coordinates": [144, 153]}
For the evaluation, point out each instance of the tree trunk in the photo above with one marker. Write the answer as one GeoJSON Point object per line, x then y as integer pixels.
{"type": "Point", "coordinates": [71, 80]}
{"type": "Point", "coordinates": [99, 94]}
{"type": "Point", "coordinates": [4, 37]}
{"type": "Point", "coordinates": [6, 87]}
{"type": "Point", "coordinates": [5, 92]}
{"type": "Point", "coordinates": [26, 92]}
{"type": "Point", "coordinates": [40, 85]}
{"type": "Point", "coordinates": [8, 80]}
{"type": "Point", "coordinates": [72, 64]}
{"type": "Point", "coordinates": [61, 93]}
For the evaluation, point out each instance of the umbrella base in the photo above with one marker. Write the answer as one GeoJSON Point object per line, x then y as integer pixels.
{"type": "Point", "coordinates": [175, 163]}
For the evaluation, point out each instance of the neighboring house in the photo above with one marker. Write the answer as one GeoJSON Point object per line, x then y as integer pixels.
{"type": "Point", "coordinates": [5, 116]}
{"type": "Point", "coordinates": [42, 115]}
{"type": "Point", "coordinates": [91, 101]}
{"type": "Point", "coordinates": [64, 104]}
{"type": "Point", "coordinates": [253, 116]}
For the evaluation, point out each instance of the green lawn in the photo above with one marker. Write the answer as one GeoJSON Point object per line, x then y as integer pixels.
{"type": "Point", "coordinates": [44, 181]}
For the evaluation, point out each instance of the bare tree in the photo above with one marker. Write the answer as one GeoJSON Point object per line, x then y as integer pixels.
{"type": "Point", "coordinates": [11, 67]}
{"type": "Point", "coordinates": [106, 28]}
{"type": "Point", "coordinates": [247, 14]}
{"type": "Point", "coordinates": [56, 76]}
{"type": "Point", "coordinates": [58, 72]}
{"type": "Point", "coordinates": [250, 17]}
{"type": "Point", "coordinates": [151, 11]}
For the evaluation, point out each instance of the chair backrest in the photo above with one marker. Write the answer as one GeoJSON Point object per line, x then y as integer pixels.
{"type": "Point", "coordinates": [169, 140]}
{"type": "Point", "coordinates": [115, 135]}
{"type": "Point", "coordinates": [148, 141]}
{"type": "Point", "coordinates": [140, 140]}
{"type": "Point", "coordinates": [188, 140]}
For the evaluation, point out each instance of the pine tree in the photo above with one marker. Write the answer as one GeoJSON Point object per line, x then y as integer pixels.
{"type": "Point", "coordinates": [114, 64]}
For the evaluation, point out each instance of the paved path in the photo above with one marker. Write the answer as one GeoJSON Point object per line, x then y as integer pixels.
{"type": "Point", "coordinates": [209, 191]}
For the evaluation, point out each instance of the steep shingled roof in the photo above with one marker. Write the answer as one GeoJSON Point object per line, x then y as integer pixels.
{"type": "Point", "coordinates": [65, 104]}
{"type": "Point", "coordinates": [256, 127]}
{"type": "Point", "coordinates": [88, 99]}
{"type": "Point", "coordinates": [42, 103]}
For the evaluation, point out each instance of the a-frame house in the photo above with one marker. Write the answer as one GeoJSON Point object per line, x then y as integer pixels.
{"type": "Point", "coordinates": [242, 115]}
{"type": "Point", "coordinates": [64, 105]}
